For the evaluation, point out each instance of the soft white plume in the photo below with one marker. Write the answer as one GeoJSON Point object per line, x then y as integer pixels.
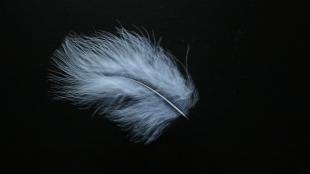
{"type": "Point", "coordinates": [127, 78]}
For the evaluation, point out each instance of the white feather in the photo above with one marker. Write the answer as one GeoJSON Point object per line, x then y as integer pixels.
{"type": "Point", "coordinates": [130, 80]}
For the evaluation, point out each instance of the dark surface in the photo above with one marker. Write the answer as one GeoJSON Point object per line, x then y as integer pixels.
{"type": "Point", "coordinates": [248, 120]}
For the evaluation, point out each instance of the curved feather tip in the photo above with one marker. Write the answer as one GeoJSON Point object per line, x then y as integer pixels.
{"type": "Point", "coordinates": [127, 78]}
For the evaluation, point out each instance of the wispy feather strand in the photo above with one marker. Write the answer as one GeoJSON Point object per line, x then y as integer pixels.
{"type": "Point", "coordinates": [127, 78]}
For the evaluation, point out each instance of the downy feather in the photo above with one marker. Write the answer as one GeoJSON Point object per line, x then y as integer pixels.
{"type": "Point", "coordinates": [127, 78]}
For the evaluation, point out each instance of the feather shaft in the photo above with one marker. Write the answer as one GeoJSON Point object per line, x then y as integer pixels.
{"type": "Point", "coordinates": [156, 92]}
{"type": "Point", "coordinates": [163, 97]}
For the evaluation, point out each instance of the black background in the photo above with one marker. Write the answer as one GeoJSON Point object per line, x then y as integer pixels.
{"type": "Point", "coordinates": [243, 53]}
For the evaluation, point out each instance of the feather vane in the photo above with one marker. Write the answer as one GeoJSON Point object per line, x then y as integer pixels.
{"type": "Point", "coordinates": [127, 78]}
